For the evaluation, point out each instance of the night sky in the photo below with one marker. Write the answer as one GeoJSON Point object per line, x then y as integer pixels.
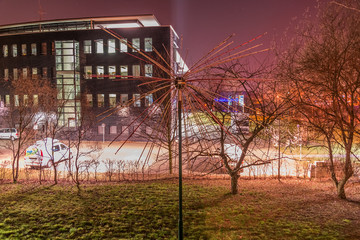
{"type": "Point", "coordinates": [201, 23]}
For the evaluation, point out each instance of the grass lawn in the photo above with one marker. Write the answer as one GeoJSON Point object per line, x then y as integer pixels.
{"type": "Point", "coordinates": [264, 209]}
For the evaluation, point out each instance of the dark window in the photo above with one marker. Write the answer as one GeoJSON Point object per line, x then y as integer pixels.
{"type": "Point", "coordinates": [43, 48]}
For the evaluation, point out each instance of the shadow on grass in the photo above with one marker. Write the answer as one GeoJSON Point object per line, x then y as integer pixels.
{"type": "Point", "coordinates": [357, 202]}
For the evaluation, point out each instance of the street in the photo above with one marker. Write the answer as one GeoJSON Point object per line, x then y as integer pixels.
{"type": "Point", "coordinates": [103, 153]}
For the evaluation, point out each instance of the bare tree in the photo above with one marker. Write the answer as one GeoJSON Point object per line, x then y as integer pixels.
{"type": "Point", "coordinates": [76, 136]}
{"type": "Point", "coordinates": [323, 64]}
{"type": "Point", "coordinates": [30, 98]}
{"type": "Point", "coordinates": [110, 168]}
{"type": "Point", "coordinates": [240, 124]}
{"type": "Point", "coordinates": [160, 131]}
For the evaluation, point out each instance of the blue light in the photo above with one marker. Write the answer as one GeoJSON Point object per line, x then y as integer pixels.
{"type": "Point", "coordinates": [226, 99]}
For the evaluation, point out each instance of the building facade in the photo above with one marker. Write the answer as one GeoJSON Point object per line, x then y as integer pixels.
{"type": "Point", "coordinates": [86, 62]}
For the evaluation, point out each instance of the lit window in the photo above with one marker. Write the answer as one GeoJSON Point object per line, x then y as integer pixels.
{"type": "Point", "coordinates": [33, 49]}
{"type": "Point", "coordinates": [23, 49]}
{"type": "Point", "coordinates": [148, 130]}
{"type": "Point", "coordinates": [69, 91]}
{"type": "Point", "coordinates": [99, 46]}
{"type": "Point", "coordinates": [124, 71]}
{"type": "Point", "coordinates": [71, 123]}
{"type": "Point", "coordinates": [111, 46]}
{"type": "Point", "coordinates": [136, 70]}
{"type": "Point", "coordinates": [35, 100]}
{"type": "Point", "coordinates": [25, 100]}
{"type": "Point", "coordinates": [14, 50]}
{"type": "Point", "coordinates": [16, 100]}
{"type": "Point", "coordinates": [15, 73]}
{"type": "Point", "coordinates": [113, 129]}
{"type": "Point", "coordinates": [112, 100]}
{"type": "Point", "coordinates": [101, 129]}
{"type": "Point", "coordinates": [148, 44]}
{"type": "Point", "coordinates": [125, 130]}
{"type": "Point", "coordinates": [100, 72]}
{"type": "Point", "coordinates": [44, 72]}
{"type": "Point", "coordinates": [136, 44]}
{"type": "Point", "coordinates": [148, 70]}
{"type": "Point", "coordinates": [24, 73]}
{"type": "Point", "coordinates": [43, 48]}
{"type": "Point", "coordinates": [123, 45]}
{"type": "Point", "coordinates": [60, 90]}
{"type": "Point", "coordinates": [7, 100]}
{"type": "Point", "coordinates": [148, 99]}
{"type": "Point", "coordinates": [87, 46]}
{"type": "Point", "coordinates": [136, 99]}
{"type": "Point", "coordinates": [34, 73]}
{"type": "Point", "coordinates": [5, 50]}
{"type": "Point", "coordinates": [101, 101]}
{"type": "Point", "coordinates": [123, 99]}
{"type": "Point", "coordinates": [89, 100]}
{"type": "Point", "coordinates": [112, 72]}
{"type": "Point", "coordinates": [6, 74]}
{"type": "Point", "coordinates": [88, 72]}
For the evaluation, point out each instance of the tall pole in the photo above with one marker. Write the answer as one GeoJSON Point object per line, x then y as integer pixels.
{"type": "Point", "coordinates": [179, 83]}
{"type": "Point", "coordinates": [180, 169]}
{"type": "Point", "coordinates": [103, 128]}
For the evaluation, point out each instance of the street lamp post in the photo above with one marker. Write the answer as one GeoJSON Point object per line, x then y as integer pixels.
{"type": "Point", "coordinates": [179, 84]}
{"type": "Point", "coordinates": [103, 128]}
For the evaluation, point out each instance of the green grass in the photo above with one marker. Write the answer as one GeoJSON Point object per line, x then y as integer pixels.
{"type": "Point", "coordinates": [150, 211]}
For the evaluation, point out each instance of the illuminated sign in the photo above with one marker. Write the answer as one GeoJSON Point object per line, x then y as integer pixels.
{"type": "Point", "coordinates": [229, 100]}
{"type": "Point", "coordinates": [241, 100]}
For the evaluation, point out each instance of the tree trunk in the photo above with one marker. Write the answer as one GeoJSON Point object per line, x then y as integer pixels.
{"type": "Point", "coordinates": [15, 169]}
{"type": "Point", "coordinates": [234, 183]}
{"type": "Point", "coordinates": [170, 159]}
{"type": "Point", "coordinates": [340, 188]}
{"type": "Point", "coordinates": [55, 173]}
{"type": "Point", "coordinates": [13, 172]}
{"type": "Point", "coordinates": [348, 172]}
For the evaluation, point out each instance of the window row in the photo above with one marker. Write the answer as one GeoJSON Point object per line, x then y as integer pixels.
{"type": "Point", "coordinates": [113, 72]}
{"type": "Point", "coordinates": [99, 46]}
{"type": "Point", "coordinates": [25, 73]}
{"type": "Point", "coordinates": [113, 100]}
{"type": "Point", "coordinates": [90, 72]}
{"type": "Point", "coordinates": [18, 100]}
{"type": "Point", "coordinates": [114, 45]}
{"type": "Point", "coordinates": [124, 129]}
{"type": "Point", "coordinates": [33, 49]}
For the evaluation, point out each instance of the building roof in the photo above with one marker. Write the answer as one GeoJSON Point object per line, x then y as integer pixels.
{"type": "Point", "coordinates": [147, 20]}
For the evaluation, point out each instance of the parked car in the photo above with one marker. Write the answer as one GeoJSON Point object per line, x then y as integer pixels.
{"type": "Point", "coordinates": [9, 133]}
{"type": "Point", "coordinates": [47, 152]}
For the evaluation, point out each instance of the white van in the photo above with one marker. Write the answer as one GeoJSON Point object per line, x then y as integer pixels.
{"type": "Point", "coordinates": [46, 152]}
{"type": "Point", "coordinates": [8, 133]}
